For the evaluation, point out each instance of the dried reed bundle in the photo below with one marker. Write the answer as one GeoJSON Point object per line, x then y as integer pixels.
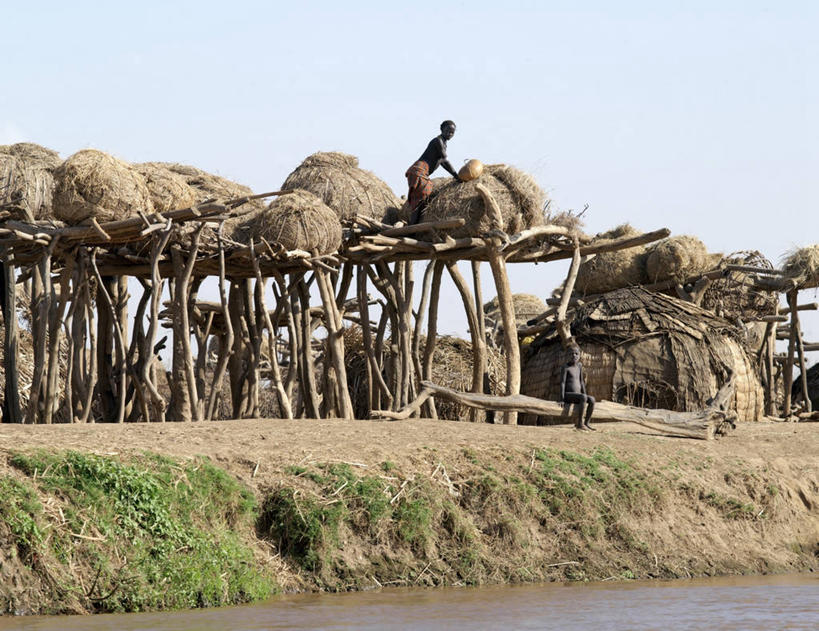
{"type": "Point", "coordinates": [298, 221]}
{"type": "Point", "coordinates": [168, 190]}
{"type": "Point", "coordinates": [93, 184]}
{"type": "Point", "coordinates": [802, 265]}
{"type": "Point", "coordinates": [519, 198]}
{"type": "Point", "coordinates": [613, 270]}
{"type": "Point", "coordinates": [676, 258]}
{"type": "Point", "coordinates": [339, 182]}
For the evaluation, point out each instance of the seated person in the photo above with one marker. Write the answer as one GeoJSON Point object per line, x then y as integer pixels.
{"type": "Point", "coordinates": [573, 389]}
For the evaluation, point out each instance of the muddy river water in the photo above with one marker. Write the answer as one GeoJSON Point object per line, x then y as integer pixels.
{"type": "Point", "coordinates": [746, 603]}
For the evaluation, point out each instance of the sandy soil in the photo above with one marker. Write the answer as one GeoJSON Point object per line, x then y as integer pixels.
{"type": "Point", "coordinates": [267, 445]}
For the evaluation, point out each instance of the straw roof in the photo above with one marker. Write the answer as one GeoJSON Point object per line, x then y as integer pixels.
{"type": "Point", "coordinates": [613, 270]}
{"type": "Point", "coordinates": [802, 265]}
{"type": "Point", "coordinates": [93, 184]}
{"type": "Point", "coordinates": [527, 306]}
{"type": "Point", "coordinates": [298, 221]}
{"type": "Point", "coordinates": [518, 195]}
{"type": "Point", "coordinates": [649, 350]}
{"type": "Point", "coordinates": [340, 183]}
{"type": "Point", "coordinates": [676, 258]}
{"type": "Point", "coordinates": [27, 176]}
{"type": "Point", "coordinates": [168, 190]}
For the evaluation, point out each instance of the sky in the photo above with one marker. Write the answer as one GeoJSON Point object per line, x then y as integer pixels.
{"type": "Point", "coordinates": [695, 116]}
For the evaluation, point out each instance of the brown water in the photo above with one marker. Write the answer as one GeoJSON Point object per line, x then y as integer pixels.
{"type": "Point", "coordinates": [742, 603]}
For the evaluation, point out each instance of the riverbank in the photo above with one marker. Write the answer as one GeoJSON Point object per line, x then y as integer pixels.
{"type": "Point", "coordinates": [228, 512]}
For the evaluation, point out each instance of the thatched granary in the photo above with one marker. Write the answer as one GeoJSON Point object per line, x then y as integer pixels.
{"type": "Point", "coordinates": [168, 190]}
{"type": "Point", "coordinates": [734, 295]}
{"type": "Point", "coordinates": [92, 184]}
{"type": "Point", "coordinates": [27, 177]}
{"type": "Point", "coordinates": [613, 270]}
{"type": "Point", "coordinates": [207, 186]}
{"type": "Point", "coordinates": [648, 350]}
{"type": "Point", "coordinates": [527, 306]}
{"type": "Point", "coordinates": [451, 367]}
{"type": "Point", "coordinates": [802, 265]}
{"type": "Point", "coordinates": [298, 221]}
{"type": "Point", "coordinates": [340, 183]}
{"type": "Point", "coordinates": [676, 258]}
{"type": "Point", "coordinates": [519, 198]}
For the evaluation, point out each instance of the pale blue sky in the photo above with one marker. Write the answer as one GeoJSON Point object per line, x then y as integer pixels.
{"type": "Point", "coordinates": [697, 116]}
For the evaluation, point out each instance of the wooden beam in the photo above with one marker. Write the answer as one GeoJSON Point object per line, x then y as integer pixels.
{"type": "Point", "coordinates": [702, 425]}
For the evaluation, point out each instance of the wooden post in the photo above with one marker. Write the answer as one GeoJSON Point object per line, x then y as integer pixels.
{"type": "Point", "coordinates": [432, 331]}
{"type": "Point", "coordinates": [11, 342]}
{"type": "Point", "coordinates": [788, 367]}
{"type": "Point", "coordinates": [55, 319]}
{"type": "Point", "coordinates": [308, 379]}
{"type": "Point", "coordinates": [478, 342]}
{"type": "Point", "coordinates": [497, 263]}
{"type": "Point", "coordinates": [147, 373]}
{"type": "Point", "coordinates": [335, 344]}
{"type": "Point", "coordinates": [226, 345]}
{"type": "Point", "coordinates": [800, 346]}
{"type": "Point", "coordinates": [278, 383]}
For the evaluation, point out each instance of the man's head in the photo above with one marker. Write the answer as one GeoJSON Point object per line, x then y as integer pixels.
{"type": "Point", "coordinates": [447, 129]}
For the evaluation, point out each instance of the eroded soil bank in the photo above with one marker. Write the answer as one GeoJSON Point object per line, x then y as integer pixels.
{"type": "Point", "coordinates": [136, 517]}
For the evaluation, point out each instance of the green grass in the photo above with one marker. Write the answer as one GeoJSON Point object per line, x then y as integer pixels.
{"type": "Point", "coordinates": [156, 534]}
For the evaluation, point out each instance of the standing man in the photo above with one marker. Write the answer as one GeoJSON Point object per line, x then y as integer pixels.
{"type": "Point", "coordinates": [418, 174]}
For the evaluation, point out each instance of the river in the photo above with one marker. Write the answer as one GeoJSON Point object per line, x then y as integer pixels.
{"type": "Point", "coordinates": [789, 602]}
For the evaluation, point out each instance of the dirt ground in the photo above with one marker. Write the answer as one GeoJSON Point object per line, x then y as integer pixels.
{"type": "Point", "coordinates": [266, 446]}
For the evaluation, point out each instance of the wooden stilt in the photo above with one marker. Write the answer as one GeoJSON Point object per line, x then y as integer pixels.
{"type": "Point", "coordinates": [478, 341]}
{"type": "Point", "coordinates": [11, 342]}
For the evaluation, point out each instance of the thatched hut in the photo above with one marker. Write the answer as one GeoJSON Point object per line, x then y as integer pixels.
{"type": "Point", "coordinates": [802, 265]}
{"type": "Point", "coordinates": [27, 177]}
{"type": "Point", "coordinates": [613, 270]}
{"type": "Point", "coordinates": [94, 185]}
{"type": "Point", "coordinates": [451, 367]}
{"type": "Point", "coordinates": [648, 350]}
{"type": "Point", "coordinates": [518, 195]}
{"type": "Point", "coordinates": [340, 183]}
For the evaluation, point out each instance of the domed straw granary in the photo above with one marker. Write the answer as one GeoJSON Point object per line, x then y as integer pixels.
{"type": "Point", "coordinates": [648, 350]}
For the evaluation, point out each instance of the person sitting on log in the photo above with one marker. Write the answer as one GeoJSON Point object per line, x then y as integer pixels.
{"type": "Point", "coordinates": [420, 186]}
{"type": "Point", "coordinates": [573, 389]}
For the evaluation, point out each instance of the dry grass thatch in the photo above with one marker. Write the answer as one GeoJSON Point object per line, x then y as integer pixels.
{"type": "Point", "coordinates": [298, 221]}
{"type": "Point", "coordinates": [27, 177]}
{"type": "Point", "coordinates": [734, 295]}
{"type": "Point", "coordinates": [676, 258]}
{"type": "Point", "coordinates": [451, 367]}
{"type": "Point", "coordinates": [338, 181]}
{"type": "Point", "coordinates": [649, 350]}
{"type": "Point", "coordinates": [527, 306]}
{"type": "Point", "coordinates": [613, 270]}
{"type": "Point", "coordinates": [802, 265]}
{"type": "Point", "coordinates": [519, 197]}
{"type": "Point", "coordinates": [169, 190]}
{"type": "Point", "coordinates": [207, 186]}
{"type": "Point", "coordinates": [93, 184]}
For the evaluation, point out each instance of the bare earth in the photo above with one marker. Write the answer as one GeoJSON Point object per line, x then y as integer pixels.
{"type": "Point", "coordinates": [266, 446]}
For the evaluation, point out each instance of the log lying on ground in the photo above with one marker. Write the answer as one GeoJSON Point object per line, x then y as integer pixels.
{"type": "Point", "coordinates": [703, 425]}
